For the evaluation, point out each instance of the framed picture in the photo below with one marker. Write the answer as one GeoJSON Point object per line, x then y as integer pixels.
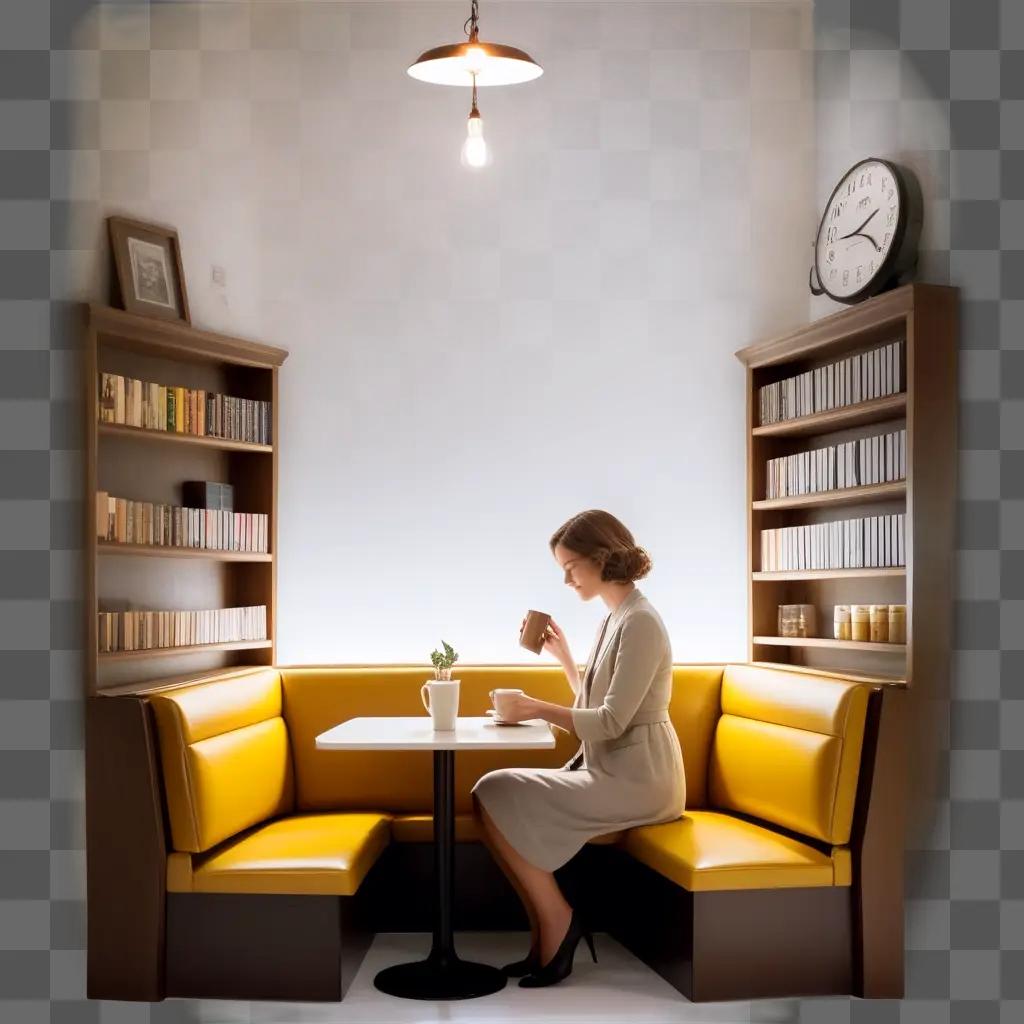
{"type": "Point", "coordinates": [149, 272]}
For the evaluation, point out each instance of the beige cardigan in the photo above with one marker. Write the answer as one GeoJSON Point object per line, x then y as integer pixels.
{"type": "Point", "coordinates": [632, 683]}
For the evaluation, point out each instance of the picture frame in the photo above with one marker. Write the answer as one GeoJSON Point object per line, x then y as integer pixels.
{"type": "Point", "coordinates": [147, 258]}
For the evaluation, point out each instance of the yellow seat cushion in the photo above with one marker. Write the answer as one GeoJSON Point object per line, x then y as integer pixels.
{"type": "Point", "coordinates": [609, 838]}
{"type": "Point", "coordinates": [304, 854]}
{"type": "Point", "coordinates": [707, 851]}
{"type": "Point", "coordinates": [419, 828]}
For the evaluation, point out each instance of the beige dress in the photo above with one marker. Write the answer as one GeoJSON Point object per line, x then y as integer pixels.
{"type": "Point", "coordinates": [632, 771]}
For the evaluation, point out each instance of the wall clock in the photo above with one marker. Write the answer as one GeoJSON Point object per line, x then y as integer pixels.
{"type": "Point", "coordinates": [869, 232]}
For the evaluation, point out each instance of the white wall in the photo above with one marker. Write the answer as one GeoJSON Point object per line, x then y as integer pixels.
{"type": "Point", "coordinates": [475, 357]}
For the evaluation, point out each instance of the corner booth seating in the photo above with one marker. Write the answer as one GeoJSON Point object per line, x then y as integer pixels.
{"type": "Point", "coordinates": [228, 857]}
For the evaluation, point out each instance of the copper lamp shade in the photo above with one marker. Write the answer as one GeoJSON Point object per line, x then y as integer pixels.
{"type": "Point", "coordinates": [488, 63]}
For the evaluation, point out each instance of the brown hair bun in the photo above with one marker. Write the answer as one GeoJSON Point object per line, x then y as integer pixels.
{"type": "Point", "coordinates": [598, 535]}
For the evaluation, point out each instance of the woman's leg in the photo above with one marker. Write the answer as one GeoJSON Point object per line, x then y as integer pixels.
{"type": "Point", "coordinates": [508, 872]}
{"type": "Point", "coordinates": [536, 887]}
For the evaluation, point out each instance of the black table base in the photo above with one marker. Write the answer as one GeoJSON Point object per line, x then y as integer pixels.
{"type": "Point", "coordinates": [438, 979]}
{"type": "Point", "coordinates": [442, 975]}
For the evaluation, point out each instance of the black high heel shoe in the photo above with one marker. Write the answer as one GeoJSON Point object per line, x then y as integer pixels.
{"type": "Point", "coordinates": [559, 966]}
{"type": "Point", "coordinates": [522, 967]}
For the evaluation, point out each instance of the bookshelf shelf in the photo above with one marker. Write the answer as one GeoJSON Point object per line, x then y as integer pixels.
{"type": "Point", "coordinates": [826, 644]}
{"type": "Point", "coordinates": [109, 547]}
{"type": "Point", "coordinates": [219, 443]}
{"type": "Point", "coordinates": [147, 465]}
{"type": "Point", "coordinates": [165, 652]}
{"type": "Point", "coordinates": [877, 410]}
{"type": "Point", "coordinates": [142, 334]}
{"type": "Point", "coordinates": [163, 683]}
{"type": "Point", "coordinates": [924, 318]}
{"type": "Point", "coordinates": [833, 499]}
{"type": "Point", "coordinates": [830, 574]}
{"type": "Point", "coordinates": [856, 676]}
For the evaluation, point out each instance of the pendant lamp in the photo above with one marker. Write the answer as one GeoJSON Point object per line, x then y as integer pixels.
{"type": "Point", "coordinates": [475, 63]}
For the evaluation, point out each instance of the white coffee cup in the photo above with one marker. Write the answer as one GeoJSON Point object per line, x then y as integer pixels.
{"type": "Point", "coordinates": [441, 699]}
{"type": "Point", "coordinates": [500, 699]}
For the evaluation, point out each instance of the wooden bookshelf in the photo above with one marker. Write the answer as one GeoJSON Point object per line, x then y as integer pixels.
{"type": "Point", "coordinates": [150, 465]}
{"type": "Point", "coordinates": [925, 318]}
{"type": "Point", "coordinates": [912, 715]}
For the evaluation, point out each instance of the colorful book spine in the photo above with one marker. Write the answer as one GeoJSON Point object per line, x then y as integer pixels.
{"type": "Point", "coordinates": [153, 406]}
{"type": "Point", "coordinates": [124, 521]}
{"type": "Point", "coordinates": [152, 630]}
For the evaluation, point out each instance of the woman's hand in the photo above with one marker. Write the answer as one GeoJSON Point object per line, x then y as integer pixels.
{"type": "Point", "coordinates": [526, 708]}
{"type": "Point", "coordinates": [553, 641]}
{"type": "Point", "coordinates": [519, 707]}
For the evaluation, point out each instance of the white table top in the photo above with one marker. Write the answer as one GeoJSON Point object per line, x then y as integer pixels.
{"type": "Point", "coordinates": [415, 732]}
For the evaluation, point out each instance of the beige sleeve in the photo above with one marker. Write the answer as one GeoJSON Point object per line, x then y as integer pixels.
{"type": "Point", "coordinates": [640, 650]}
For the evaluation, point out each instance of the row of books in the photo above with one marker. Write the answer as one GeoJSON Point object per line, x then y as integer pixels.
{"type": "Point", "coordinates": [858, 378]}
{"type": "Point", "coordinates": [126, 521]}
{"type": "Point", "coordinates": [140, 403]}
{"type": "Point", "coordinates": [149, 630]}
{"type": "Point", "coordinates": [879, 459]}
{"type": "Point", "coordinates": [868, 542]}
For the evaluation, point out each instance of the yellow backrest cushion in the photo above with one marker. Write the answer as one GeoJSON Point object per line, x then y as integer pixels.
{"type": "Point", "coordinates": [317, 698]}
{"type": "Point", "coordinates": [220, 705]}
{"type": "Point", "coordinates": [787, 748]}
{"type": "Point", "coordinates": [225, 755]}
{"type": "Point", "coordinates": [694, 708]}
{"type": "Point", "coordinates": [398, 781]}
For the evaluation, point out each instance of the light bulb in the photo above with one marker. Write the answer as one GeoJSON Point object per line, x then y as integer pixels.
{"type": "Point", "coordinates": [476, 59]}
{"type": "Point", "coordinates": [474, 150]}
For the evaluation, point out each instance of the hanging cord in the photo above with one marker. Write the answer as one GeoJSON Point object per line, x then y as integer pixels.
{"type": "Point", "coordinates": [470, 26]}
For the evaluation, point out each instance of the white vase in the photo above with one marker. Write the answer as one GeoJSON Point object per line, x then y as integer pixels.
{"type": "Point", "coordinates": [441, 699]}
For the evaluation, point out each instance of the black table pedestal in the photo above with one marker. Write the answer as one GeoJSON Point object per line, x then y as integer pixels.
{"type": "Point", "coordinates": [442, 975]}
{"type": "Point", "coordinates": [440, 979]}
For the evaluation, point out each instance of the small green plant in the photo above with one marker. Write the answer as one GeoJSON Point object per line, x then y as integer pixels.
{"type": "Point", "coordinates": [443, 662]}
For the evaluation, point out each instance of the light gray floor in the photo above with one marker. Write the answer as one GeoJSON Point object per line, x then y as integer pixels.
{"type": "Point", "coordinates": [617, 989]}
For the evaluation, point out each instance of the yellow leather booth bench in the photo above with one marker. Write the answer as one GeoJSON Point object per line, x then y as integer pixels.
{"type": "Point", "coordinates": [228, 857]}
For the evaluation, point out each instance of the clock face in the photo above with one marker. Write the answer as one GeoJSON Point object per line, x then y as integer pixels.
{"type": "Point", "coordinates": [859, 229]}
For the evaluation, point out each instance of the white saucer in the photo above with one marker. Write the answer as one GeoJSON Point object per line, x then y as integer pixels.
{"type": "Point", "coordinates": [498, 721]}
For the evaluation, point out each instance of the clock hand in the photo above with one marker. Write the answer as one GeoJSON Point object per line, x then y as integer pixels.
{"type": "Point", "coordinates": [861, 234]}
{"type": "Point", "coordinates": [858, 230]}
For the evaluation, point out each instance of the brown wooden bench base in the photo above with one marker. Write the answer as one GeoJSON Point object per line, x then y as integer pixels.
{"type": "Point", "coordinates": [710, 946]}
{"type": "Point", "coordinates": [283, 948]}
{"type": "Point", "coordinates": [746, 944]}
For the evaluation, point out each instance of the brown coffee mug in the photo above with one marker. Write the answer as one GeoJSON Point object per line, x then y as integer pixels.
{"type": "Point", "coordinates": [534, 628]}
